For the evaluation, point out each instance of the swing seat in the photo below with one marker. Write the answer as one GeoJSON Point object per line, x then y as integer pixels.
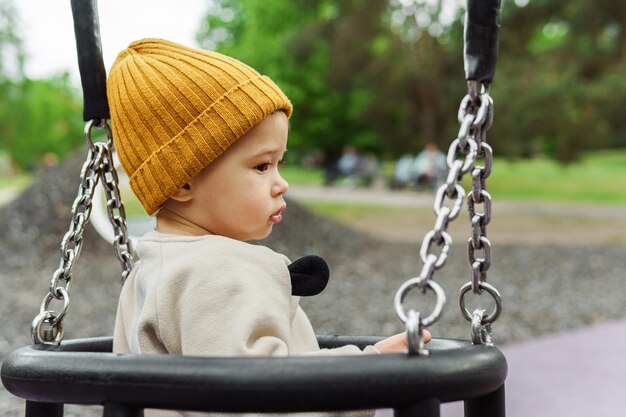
{"type": "Point", "coordinates": [84, 371]}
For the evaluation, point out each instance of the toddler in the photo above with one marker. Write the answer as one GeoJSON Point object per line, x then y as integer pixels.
{"type": "Point", "coordinates": [201, 137]}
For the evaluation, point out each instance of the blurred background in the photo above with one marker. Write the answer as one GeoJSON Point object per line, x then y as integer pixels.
{"type": "Point", "coordinates": [384, 77]}
{"type": "Point", "coordinates": [376, 86]}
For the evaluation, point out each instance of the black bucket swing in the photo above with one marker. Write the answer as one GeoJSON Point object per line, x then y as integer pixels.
{"type": "Point", "coordinates": [53, 372]}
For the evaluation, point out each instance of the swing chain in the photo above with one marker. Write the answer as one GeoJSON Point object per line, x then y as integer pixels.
{"type": "Point", "coordinates": [481, 106]}
{"type": "Point", "coordinates": [475, 117]}
{"type": "Point", "coordinates": [47, 326]}
{"type": "Point", "coordinates": [116, 211]}
{"type": "Point", "coordinates": [460, 160]}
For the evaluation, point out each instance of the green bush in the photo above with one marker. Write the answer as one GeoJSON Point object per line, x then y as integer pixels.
{"type": "Point", "coordinates": [39, 117]}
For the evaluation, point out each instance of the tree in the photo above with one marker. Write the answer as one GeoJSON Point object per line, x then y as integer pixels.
{"type": "Point", "coordinates": [558, 83]}
{"type": "Point", "coordinates": [355, 78]}
{"type": "Point", "coordinates": [388, 74]}
{"type": "Point", "coordinates": [44, 117]}
{"type": "Point", "coordinates": [11, 67]}
{"type": "Point", "coordinates": [36, 116]}
{"type": "Point", "coordinates": [557, 87]}
{"type": "Point", "coordinates": [11, 51]}
{"type": "Point", "coordinates": [301, 44]}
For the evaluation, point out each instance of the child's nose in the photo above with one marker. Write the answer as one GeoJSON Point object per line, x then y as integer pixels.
{"type": "Point", "coordinates": [280, 187]}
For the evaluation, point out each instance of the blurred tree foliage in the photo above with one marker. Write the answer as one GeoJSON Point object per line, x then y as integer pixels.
{"type": "Point", "coordinates": [302, 44]}
{"type": "Point", "coordinates": [561, 78]}
{"type": "Point", "coordinates": [387, 75]}
{"type": "Point", "coordinates": [381, 75]}
{"type": "Point", "coordinates": [40, 117]}
{"type": "Point", "coordinates": [37, 117]}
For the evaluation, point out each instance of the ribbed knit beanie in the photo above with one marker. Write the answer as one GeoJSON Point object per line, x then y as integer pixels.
{"type": "Point", "coordinates": [175, 109]}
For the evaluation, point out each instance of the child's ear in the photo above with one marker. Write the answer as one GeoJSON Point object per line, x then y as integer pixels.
{"type": "Point", "coordinates": [183, 195]}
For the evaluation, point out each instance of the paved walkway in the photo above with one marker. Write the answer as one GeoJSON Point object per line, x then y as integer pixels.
{"type": "Point", "coordinates": [574, 374]}
{"type": "Point", "coordinates": [513, 222]}
{"type": "Point", "coordinates": [412, 198]}
{"type": "Point", "coordinates": [7, 194]}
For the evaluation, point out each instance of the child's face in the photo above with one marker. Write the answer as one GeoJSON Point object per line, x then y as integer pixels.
{"type": "Point", "coordinates": [240, 194]}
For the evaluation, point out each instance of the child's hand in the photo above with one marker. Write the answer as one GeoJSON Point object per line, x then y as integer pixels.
{"type": "Point", "coordinates": [398, 343]}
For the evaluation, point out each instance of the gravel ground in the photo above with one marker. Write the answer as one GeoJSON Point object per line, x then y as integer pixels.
{"type": "Point", "coordinates": [545, 288]}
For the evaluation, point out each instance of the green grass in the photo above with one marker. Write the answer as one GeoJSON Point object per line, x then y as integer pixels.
{"type": "Point", "coordinates": [599, 178]}
{"type": "Point", "coordinates": [18, 182]}
{"type": "Point", "coordinates": [350, 211]}
{"type": "Point", "coordinates": [302, 176]}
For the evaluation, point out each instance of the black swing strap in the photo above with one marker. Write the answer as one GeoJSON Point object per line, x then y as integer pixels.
{"type": "Point", "coordinates": [90, 63]}
{"type": "Point", "coordinates": [481, 39]}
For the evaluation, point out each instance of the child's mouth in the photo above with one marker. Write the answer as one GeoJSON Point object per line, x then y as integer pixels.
{"type": "Point", "coordinates": [277, 217]}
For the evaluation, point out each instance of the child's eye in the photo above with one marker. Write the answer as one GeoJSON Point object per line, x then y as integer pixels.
{"type": "Point", "coordinates": [263, 167]}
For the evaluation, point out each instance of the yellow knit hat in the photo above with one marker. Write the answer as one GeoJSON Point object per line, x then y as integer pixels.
{"type": "Point", "coordinates": [175, 109]}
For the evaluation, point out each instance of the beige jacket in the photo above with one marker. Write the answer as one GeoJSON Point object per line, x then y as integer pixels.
{"type": "Point", "coordinates": [213, 296]}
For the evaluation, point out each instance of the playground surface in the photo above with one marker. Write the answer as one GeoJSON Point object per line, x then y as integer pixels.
{"type": "Point", "coordinates": [574, 373]}
{"type": "Point", "coordinates": [563, 328]}
{"type": "Point", "coordinates": [578, 373]}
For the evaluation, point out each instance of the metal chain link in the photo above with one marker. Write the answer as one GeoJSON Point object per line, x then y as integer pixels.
{"type": "Point", "coordinates": [116, 211]}
{"type": "Point", "coordinates": [482, 106]}
{"type": "Point", "coordinates": [47, 326]}
{"type": "Point", "coordinates": [475, 117]}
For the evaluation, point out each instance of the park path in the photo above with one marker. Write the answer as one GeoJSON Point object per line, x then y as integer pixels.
{"type": "Point", "coordinates": [513, 222]}
{"type": "Point", "coordinates": [410, 216]}
{"type": "Point", "coordinates": [7, 195]}
{"type": "Point", "coordinates": [410, 198]}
